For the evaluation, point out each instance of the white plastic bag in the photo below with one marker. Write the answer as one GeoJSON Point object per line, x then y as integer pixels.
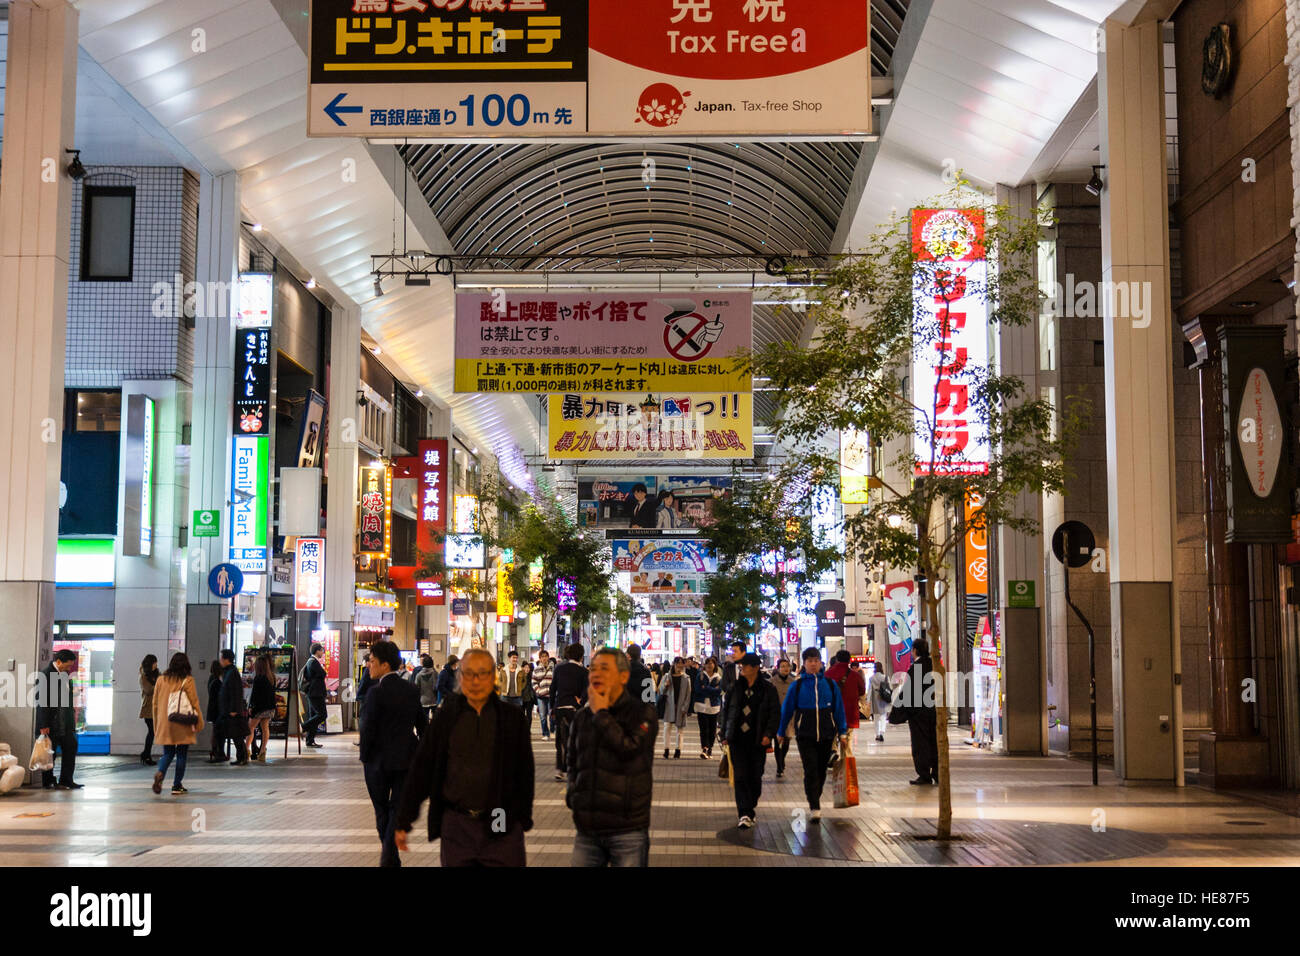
{"type": "Point", "coordinates": [42, 755]}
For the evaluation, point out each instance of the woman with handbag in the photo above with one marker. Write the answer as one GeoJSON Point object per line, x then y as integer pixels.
{"type": "Point", "coordinates": [148, 677]}
{"type": "Point", "coordinates": [177, 720]}
{"type": "Point", "coordinates": [675, 704]}
{"type": "Point", "coordinates": [261, 704]}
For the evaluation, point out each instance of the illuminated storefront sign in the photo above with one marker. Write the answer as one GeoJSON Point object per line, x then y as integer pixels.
{"type": "Point", "coordinates": [951, 355]}
{"type": "Point", "coordinates": [976, 546]}
{"type": "Point", "coordinates": [256, 300]}
{"type": "Point", "coordinates": [505, 596]}
{"type": "Point", "coordinates": [431, 515]}
{"type": "Point", "coordinates": [855, 467]}
{"type": "Point", "coordinates": [309, 575]}
{"type": "Point", "coordinates": [253, 382]}
{"type": "Point", "coordinates": [465, 552]}
{"type": "Point", "coordinates": [248, 550]}
{"type": "Point", "coordinates": [466, 512]}
{"type": "Point", "coordinates": [376, 514]}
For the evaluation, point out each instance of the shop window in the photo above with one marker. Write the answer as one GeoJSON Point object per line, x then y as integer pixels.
{"type": "Point", "coordinates": [107, 233]}
{"type": "Point", "coordinates": [98, 410]}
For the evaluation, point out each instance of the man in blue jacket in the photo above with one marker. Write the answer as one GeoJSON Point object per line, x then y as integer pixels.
{"type": "Point", "coordinates": [817, 709]}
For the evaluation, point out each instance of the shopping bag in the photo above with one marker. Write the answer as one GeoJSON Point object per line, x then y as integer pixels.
{"type": "Point", "coordinates": [724, 768]}
{"type": "Point", "coordinates": [845, 778]}
{"type": "Point", "coordinates": [42, 754]}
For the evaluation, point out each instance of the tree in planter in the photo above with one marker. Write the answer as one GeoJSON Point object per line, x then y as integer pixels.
{"type": "Point", "coordinates": [542, 532]}
{"type": "Point", "coordinates": [764, 520]}
{"type": "Point", "coordinates": [875, 311]}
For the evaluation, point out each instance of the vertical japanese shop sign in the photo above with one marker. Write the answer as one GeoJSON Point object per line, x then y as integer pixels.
{"type": "Point", "coordinates": [951, 351]}
{"type": "Point", "coordinates": [309, 575]}
{"type": "Point", "coordinates": [253, 381]}
{"type": "Point", "coordinates": [976, 546]}
{"type": "Point", "coordinates": [1258, 477]}
{"type": "Point", "coordinates": [505, 597]}
{"type": "Point", "coordinates": [754, 67]}
{"type": "Point", "coordinates": [431, 510]}
{"type": "Point", "coordinates": [447, 68]}
{"type": "Point", "coordinates": [375, 505]}
{"type": "Point", "coordinates": [248, 479]}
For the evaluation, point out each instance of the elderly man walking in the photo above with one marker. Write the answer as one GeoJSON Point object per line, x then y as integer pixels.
{"type": "Point", "coordinates": [475, 767]}
{"type": "Point", "coordinates": [611, 756]}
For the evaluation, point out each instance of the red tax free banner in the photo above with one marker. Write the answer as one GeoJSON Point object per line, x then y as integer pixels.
{"type": "Point", "coordinates": [432, 503]}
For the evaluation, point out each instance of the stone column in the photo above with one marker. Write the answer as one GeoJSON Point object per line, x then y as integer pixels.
{"type": "Point", "coordinates": [35, 238]}
{"type": "Point", "coordinates": [341, 475]}
{"type": "Point", "coordinates": [1139, 404]}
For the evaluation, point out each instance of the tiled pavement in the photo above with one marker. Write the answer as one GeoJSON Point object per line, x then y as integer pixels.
{"type": "Point", "coordinates": [313, 810]}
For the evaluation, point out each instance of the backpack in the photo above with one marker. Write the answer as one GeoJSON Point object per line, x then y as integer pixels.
{"type": "Point", "coordinates": [303, 679]}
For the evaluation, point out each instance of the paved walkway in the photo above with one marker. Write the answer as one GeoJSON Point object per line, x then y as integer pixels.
{"type": "Point", "coordinates": [313, 810]}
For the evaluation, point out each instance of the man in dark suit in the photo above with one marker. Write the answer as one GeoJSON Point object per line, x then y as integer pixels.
{"type": "Point", "coordinates": [313, 689]}
{"type": "Point", "coordinates": [57, 717]}
{"type": "Point", "coordinates": [234, 709]}
{"type": "Point", "coordinates": [389, 735]}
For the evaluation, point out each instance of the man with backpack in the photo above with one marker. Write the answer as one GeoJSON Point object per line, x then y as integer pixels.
{"type": "Point", "coordinates": [568, 693]}
{"type": "Point", "coordinates": [817, 709]}
{"type": "Point", "coordinates": [851, 685]}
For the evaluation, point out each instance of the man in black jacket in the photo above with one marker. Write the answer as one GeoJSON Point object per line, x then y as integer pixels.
{"type": "Point", "coordinates": [475, 767]}
{"type": "Point", "coordinates": [754, 714]}
{"type": "Point", "coordinates": [313, 689]}
{"type": "Point", "coordinates": [640, 682]}
{"type": "Point", "coordinates": [56, 716]}
{"type": "Point", "coordinates": [568, 694]}
{"type": "Point", "coordinates": [611, 759]}
{"type": "Point", "coordinates": [729, 674]}
{"type": "Point", "coordinates": [389, 736]}
{"type": "Point", "coordinates": [234, 709]}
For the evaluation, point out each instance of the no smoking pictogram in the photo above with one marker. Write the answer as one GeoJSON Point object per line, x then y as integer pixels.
{"type": "Point", "coordinates": [686, 337]}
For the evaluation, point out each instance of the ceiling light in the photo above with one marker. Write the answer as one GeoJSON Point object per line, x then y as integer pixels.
{"type": "Point", "coordinates": [257, 227]}
{"type": "Point", "coordinates": [311, 283]}
{"type": "Point", "coordinates": [379, 287]}
{"type": "Point", "coordinates": [375, 349]}
{"type": "Point", "coordinates": [1247, 304]}
{"type": "Point", "coordinates": [419, 393]}
{"type": "Point", "coordinates": [417, 278]}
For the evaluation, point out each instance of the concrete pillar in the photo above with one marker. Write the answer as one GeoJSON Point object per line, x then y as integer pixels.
{"type": "Point", "coordinates": [1139, 406]}
{"type": "Point", "coordinates": [35, 224]}
{"type": "Point", "coordinates": [1019, 557]}
{"type": "Point", "coordinates": [341, 474]}
{"type": "Point", "coordinates": [217, 268]}
{"type": "Point", "coordinates": [148, 596]}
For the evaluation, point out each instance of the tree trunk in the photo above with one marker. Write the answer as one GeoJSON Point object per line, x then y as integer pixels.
{"type": "Point", "coordinates": [935, 635]}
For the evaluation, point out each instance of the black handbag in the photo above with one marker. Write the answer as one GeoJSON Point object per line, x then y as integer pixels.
{"type": "Point", "coordinates": [180, 710]}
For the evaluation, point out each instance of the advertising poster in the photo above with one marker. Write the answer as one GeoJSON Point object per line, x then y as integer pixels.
{"type": "Point", "coordinates": [617, 501]}
{"type": "Point", "coordinates": [902, 623]}
{"type": "Point", "coordinates": [534, 342]}
{"type": "Point", "coordinates": [664, 426]}
{"type": "Point", "coordinates": [659, 555]}
{"type": "Point", "coordinates": [976, 549]}
{"type": "Point", "coordinates": [951, 280]}
{"type": "Point", "coordinates": [310, 433]}
{"type": "Point", "coordinates": [668, 582]}
{"type": "Point", "coordinates": [282, 662]}
{"type": "Point", "coordinates": [988, 714]}
{"type": "Point", "coordinates": [447, 68]}
{"type": "Point", "coordinates": [693, 497]}
{"type": "Point", "coordinates": [690, 605]}
{"type": "Point", "coordinates": [699, 67]}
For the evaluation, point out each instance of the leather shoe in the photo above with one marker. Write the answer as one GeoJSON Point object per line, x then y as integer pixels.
{"type": "Point", "coordinates": [921, 782]}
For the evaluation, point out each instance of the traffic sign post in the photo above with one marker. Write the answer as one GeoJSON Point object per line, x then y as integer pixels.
{"type": "Point", "coordinates": [1073, 544]}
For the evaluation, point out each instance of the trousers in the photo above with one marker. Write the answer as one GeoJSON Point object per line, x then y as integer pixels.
{"type": "Point", "coordinates": [385, 788]}
{"type": "Point", "coordinates": [816, 757]}
{"type": "Point", "coordinates": [469, 842]}
{"type": "Point", "coordinates": [748, 759]}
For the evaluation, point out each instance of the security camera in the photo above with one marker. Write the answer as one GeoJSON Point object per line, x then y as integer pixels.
{"type": "Point", "coordinates": [362, 400]}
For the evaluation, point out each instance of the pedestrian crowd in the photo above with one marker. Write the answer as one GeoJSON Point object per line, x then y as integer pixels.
{"type": "Point", "coordinates": [459, 738]}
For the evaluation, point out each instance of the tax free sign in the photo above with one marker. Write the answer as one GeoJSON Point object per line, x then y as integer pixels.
{"type": "Point", "coordinates": [554, 68]}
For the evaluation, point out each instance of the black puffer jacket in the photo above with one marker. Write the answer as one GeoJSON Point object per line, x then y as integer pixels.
{"type": "Point", "coordinates": [611, 760]}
